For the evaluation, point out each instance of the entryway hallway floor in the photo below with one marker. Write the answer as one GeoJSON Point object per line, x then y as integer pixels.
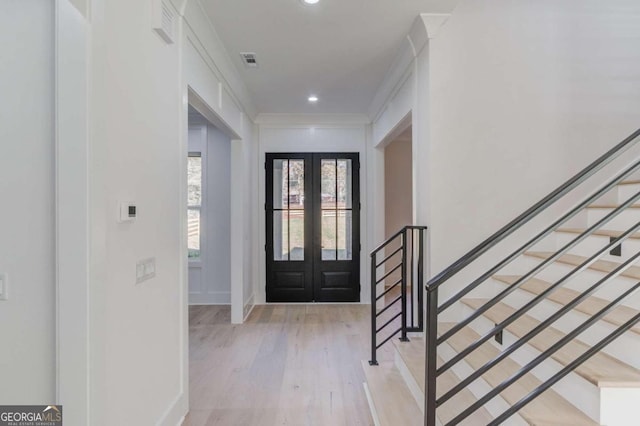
{"type": "Point", "coordinates": [287, 365]}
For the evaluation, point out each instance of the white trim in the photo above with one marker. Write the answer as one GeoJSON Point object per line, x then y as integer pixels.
{"type": "Point", "coordinates": [250, 304]}
{"type": "Point", "coordinates": [72, 212]}
{"type": "Point", "coordinates": [198, 25]}
{"type": "Point", "coordinates": [372, 406]}
{"type": "Point", "coordinates": [396, 131]}
{"type": "Point", "coordinates": [290, 120]}
{"type": "Point", "coordinates": [170, 416]}
{"type": "Point", "coordinates": [433, 22]}
{"type": "Point", "coordinates": [209, 113]}
{"type": "Point", "coordinates": [398, 72]}
{"type": "Point", "coordinates": [238, 218]}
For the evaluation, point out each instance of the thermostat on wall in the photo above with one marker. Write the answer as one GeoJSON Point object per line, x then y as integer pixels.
{"type": "Point", "coordinates": [128, 212]}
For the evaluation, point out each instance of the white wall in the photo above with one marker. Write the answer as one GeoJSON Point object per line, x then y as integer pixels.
{"type": "Point", "coordinates": [522, 95]}
{"type": "Point", "coordinates": [251, 225]}
{"type": "Point", "coordinates": [216, 89]}
{"type": "Point", "coordinates": [72, 219]}
{"type": "Point", "coordinates": [27, 321]}
{"type": "Point", "coordinates": [135, 328]}
{"type": "Point", "coordinates": [398, 186]}
{"type": "Point", "coordinates": [218, 216]}
{"type": "Point", "coordinates": [313, 134]}
{"type": "Point", "coordinates": [210, 277]}
{"type": "Point", "coordinates": [139, 94]}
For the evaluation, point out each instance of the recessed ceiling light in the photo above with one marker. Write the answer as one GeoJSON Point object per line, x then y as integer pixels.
{"type": "Point", "coordinates": [313, 99]}
{"type": "Point", "coordinates": [310, 1]}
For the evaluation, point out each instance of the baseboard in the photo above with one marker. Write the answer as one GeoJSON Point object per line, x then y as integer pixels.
{"type": "Point", "coordinates": [248, 307]}
{"type": "Point", "coordinates": [176, 413]}
{"type": "Point", "coordinates": [372, 407]}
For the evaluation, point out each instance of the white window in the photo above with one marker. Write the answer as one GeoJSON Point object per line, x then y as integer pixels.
{"type": "Point", "coordinates": [194, 203]}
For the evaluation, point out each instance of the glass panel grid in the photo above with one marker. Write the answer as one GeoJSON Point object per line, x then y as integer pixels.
{"type": "Point", "coordinates": [296, 184]}
{"type": "Point", "coordinates": [288, 210]}
{"type": "Point", "coordinates": [336, 206]}
{"type": "Point", "coordinates": [193, 233]}
{"type": "Point", "coordinates": [194, 179]}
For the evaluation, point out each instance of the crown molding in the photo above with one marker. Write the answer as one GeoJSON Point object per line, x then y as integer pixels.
{"type": "Point", "coordinates": [433, 22]}
{"type": "Point", "coordinates": [312, 119]}
{"type": "Point", "coordinates": [203, 35]}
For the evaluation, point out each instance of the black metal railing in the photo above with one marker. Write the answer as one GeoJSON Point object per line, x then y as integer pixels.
{"type": "Point", "coordinates": [397, 277]}
{"type": "Point", "coordinates": [434, 308]}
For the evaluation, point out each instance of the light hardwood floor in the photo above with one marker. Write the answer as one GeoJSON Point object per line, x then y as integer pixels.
{"type": "Point", "coordinates": [287, 365]}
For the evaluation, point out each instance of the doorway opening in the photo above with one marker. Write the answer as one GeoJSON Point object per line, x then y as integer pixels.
{"type": "Point", "coordinates": [398, 183]}
{"type": "Point", "coordinates": [398, 213]}
{"type": "Point", "coordinates": [313, 227]}
{"type": "Point", "coordinates": [208, 213]}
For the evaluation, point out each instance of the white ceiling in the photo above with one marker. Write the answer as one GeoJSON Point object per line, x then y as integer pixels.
{"type": "Point", "coordinates": [339, 50]}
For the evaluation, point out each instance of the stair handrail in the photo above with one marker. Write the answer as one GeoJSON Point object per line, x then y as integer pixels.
{"type": "Point", "coordinates": [403, 233]}
{"type": "Point", "coordinates": [533, 211]}
{"type": "Point", "coordinates": [434, 309]}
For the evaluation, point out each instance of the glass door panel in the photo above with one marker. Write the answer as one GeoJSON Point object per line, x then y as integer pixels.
{"type": "Point", "coordinates": [288, 210]}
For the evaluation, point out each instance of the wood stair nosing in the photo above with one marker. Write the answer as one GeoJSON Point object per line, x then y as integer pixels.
{"type": "Point", "coordinates": [599, 232]}
{"type": "Point", "coordinates": [605, 266]}
{"type": "Point", "coordinates": [611, 206]}
{"type": "Point", "coordinates": [601, 370]}
{"type": "Point", "coordinates": [590, 306]}
{"type": "Point", "coordinates": [547, 409]}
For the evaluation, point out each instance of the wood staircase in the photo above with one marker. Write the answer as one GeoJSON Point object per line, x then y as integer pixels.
{"type": "Point", "coordinates": [604, 390]}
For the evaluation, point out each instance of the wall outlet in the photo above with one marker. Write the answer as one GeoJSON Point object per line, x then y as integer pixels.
{"type": "Point", "coordinates": [145, 269]}
{"type": "Point", "coordinates": [4, 286]}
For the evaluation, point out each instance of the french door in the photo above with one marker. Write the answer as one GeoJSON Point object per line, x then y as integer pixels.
{"type": "Point", "coordinates": [313, 227]}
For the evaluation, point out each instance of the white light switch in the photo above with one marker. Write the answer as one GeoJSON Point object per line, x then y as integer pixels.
{"type": "Point", "coordinates": [4, 289]}
{"type": "Point", "coordinates": [145, 269]}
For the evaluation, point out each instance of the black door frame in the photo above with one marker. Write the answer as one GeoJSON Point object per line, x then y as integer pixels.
{"type": "Point", "coordinates": [314, 279]}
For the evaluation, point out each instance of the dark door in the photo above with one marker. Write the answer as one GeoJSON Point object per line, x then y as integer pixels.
{"type": "Point", "coordinates": [313, 227]}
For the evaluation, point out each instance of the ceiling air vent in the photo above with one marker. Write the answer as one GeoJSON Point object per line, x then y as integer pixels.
{"type": "Point", "coordinates": [249, 59]}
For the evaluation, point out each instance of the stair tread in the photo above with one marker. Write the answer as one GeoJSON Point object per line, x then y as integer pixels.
{"type": "Point", "coordinates": [601, 370]}
{"type": "Point", "coordinates": [599, 265]}
{"type": "Point", "coordinates": [413, 356]}
{"type": "Point", "coordinates": [599, 232]}
{"type": "Point", "coordinates": [547, 409]}
{"type": "Point", "coordinates": [391, 397]}
{"type": "Point", "coordinates": [590, 306]}
{"type": "Point", "coordinates": [611, 206]}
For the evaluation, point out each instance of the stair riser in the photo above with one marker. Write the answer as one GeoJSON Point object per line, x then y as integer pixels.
{"type": "Point", "coordinates": [578, 391]}
{"type": "Point", "coordinates": [625, 348]}
{"type": "Point", "coordinates": [623, 221]}
{"type": "Point", "coordinates": [594, 243]}
{"type": "Point", "coordinates": [414, 387]}
{"type": "Point", "coordinates": [625, 192]}
{"type": "Point", "coordinates": [584, 280]}
{"type": "Point", "coordinates": [619, 406]}
{"type": "Point", "coordinates": [479, 388]}
{"type": "Point", "coordinates": [611, 197]}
